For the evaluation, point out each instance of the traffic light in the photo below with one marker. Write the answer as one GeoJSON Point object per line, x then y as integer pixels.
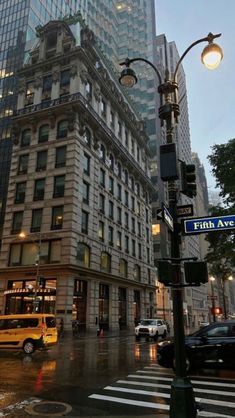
{"type": "Point", "coordinates": [196, 272]}
{"type": "Point", "coordinates": [164, 272]}
{"type": "Point", "coordinates": [41, 281]}
{"type": "Point", "coordinates": [188, 179]}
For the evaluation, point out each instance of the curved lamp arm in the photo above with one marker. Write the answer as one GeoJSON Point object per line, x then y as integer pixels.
{"type": "Point", "coordinates": [128, 61]}
{"type": "Point", "coordinates": [209, 38]}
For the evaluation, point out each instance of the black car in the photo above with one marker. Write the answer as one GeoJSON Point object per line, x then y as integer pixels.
{"type": "Point", "coordinates": [212, 345]}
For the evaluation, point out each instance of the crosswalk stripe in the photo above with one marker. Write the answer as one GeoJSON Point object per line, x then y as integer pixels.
{"type": "Point", "coordinates": [167, 395]}
{"type": "Point", "coordinates": [130, 402]}
{"type": "Point", "coordinates": [215, 392]}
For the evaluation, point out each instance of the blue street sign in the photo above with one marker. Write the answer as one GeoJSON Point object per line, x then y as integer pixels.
{"type": "Point", "coordinates": [167, 217]}
{"type": "Point", "coordinates": [211, 223]}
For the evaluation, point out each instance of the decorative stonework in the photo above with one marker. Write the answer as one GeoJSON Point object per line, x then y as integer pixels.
{"type": "Point", "coordinates": [55, 76]}
{"type": "Point", "coordinates": [22, 86]}
{"type": "Point", "coordinates": [97, 94]}
{"type": "Point", "coordinates": [84, 76]}
{"type": "Point", "coordinates": [71, 117]}
{"type": "Point", "coordinates": [38, 82]}
{"type": "Point", "coordinates": [73, 71]}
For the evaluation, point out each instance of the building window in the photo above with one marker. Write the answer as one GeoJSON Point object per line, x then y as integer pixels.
{"type": "Point", "coordinates": [139, 229]}
{"type": "Point", "coordinates": [138, 154]}
{"type": "Point", "coordinates": [111, 185]}
{"type": "Point", "coordinates": [86, 164]}
{"type": "Point", "coordinates": [119, 215]}
{"type": "Point", "coordinates": [25, 138]}
{"type": "Point", "coordinates": [136, 272]}
{"type": "Point", "coordinates": [41, 160]}
{"type": "Point", "coordinates": [102, 203]}
{"type": "Point", "coordinates": [139, 251]}
{"type": "Point", "coordinates": [87, 137]}
{"type": "Point", "coordinates": [85, 192]}
{"type": "Point", "coordinates": [126, 139]}
{"type": "Point", "coordinates": [60, 158]}
{"type": "Point", "coordinates": [132, 203]}
{"type": "Point", "coordinates": [132, 184]}
{"type": "Point", "coordinates": [43, 133]}
{"type": "Point", "coordinates": [133, 225]}
{"type": "Point", "coordinates": [147, 235]}
{"type": "Point", "coordinates": [147, 216]}
{"type": "Point", "coordinates": [83, 254]}
{"type": "Point", "coordinates": [138, 189]}
{"type": "Point", "coordinates": [110, 231]}
{"type": "Point", "coordinates": [126, 244]}
{"type": "Point", "coordinates": [103, 108]}
{"type": "Point", "coordinates": [126, 198]}
{"type": "Point", "coordinates": [112, 120]}
{"type": "Point", "coordinates": [36, 220]}
{"type": "Point", "coordinates": [126, 220]}
{"type": "Point", "coordinates": [88, 90]}
{"type": "Point", "coordinates": [57, 217]}
{"type": "Point", "coordinates": [64, 81]}
{"type": "Point", "coordinates": [148, 255]}
{"type": "Point", "coordinates": [102, 153]}
{"type": "Point", "coordinates": [133, 248]}
{"type": "Point", "coordinates": [111, 209]}
{"type": "Point", "coordinates": [119, 192]}
{"type": "Point", "coordinates": [119, 240]}
{"type": "Point", "coordinates": [119, 170]}
{"type": "Point", "coordinates": [111, 162]}
{"type": "Point", "coordinates": [85, 219]}
{"type": "Point", "coordinates": [126, 175]}
{"type": "Point", "coordinates": [102, 177]}
{"type": "Point", "coordinates": [20, 192]}
{"type": "Point", "coordinates": [138, 208]}
{"type": "Point", "coordinates": [132, 147]}
{"type": "Point", "coordinates": [47, 84]}
{"type": "Point", "coordinates": [59, 182]}
{"type": "Point", "coordinates": [29, 93]}
{"type": "Point", "coordinates": [62, 129]}
{"type": "Point", "coordinates": [123, 268]}
{"type": "Point", "coordinates": [119, 129]}
{"type": "Point", "coordinates": [101, 231]}
{"type": "Point", "coordinates": [39, 188]}
{"type": "Point", "coordinates": [17, 222]}
{"type": "Point", "coordinates": [105, 264]}
{"type": "Point", "coordinates": [23, 164]}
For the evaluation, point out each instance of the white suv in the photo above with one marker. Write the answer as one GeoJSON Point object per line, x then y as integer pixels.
{"type": "Point", "coordinates": [150, 328]}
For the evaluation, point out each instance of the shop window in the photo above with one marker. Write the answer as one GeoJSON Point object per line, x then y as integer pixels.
{"type": "Point", "coordinates": [60, 159]}
{"type": "Point", "coordinates": [62, 129]}
{"type": "Point", "coordinates": [105, 262]}
{"type": "Point", "coordinates": [17, 222]}
{"type": "Point", "coordinates": [85, 219]}
{"type": "Point", "coordinates": [123, 268]}
{"type": "Point", "coordinates": [39, 188]}
{"type": "Point", "coordinates": [20, 192]}
{"type": "Point", "coordinates": [57, 217]}
{"type": "Point", "coordinates": [87, 137]}
{"type": "Point", "coordinates": [36, 220]}
{"type": "Point", "coordinates": [83, 254]}
{"type": "Point", "coordinates": [41, 160]}
{"type": "Point", "coordinates": [59, 183]}
{"type": "Point", "coordinates": [23, 164]}
{"type": "Point", "coordinates": [25, 138]}
{"type": "Point", "coordinates": [43, 133]}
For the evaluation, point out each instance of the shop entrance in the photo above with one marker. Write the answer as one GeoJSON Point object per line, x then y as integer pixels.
{"type": "Point", "coordinates": [79, 305]}
{"type": "Point", "coordinates": [104, 306]}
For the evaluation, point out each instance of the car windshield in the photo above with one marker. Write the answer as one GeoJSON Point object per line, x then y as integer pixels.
{"type": "Point", "coordinates": [148, 322]}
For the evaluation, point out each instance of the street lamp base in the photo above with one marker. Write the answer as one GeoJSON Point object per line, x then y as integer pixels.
{"type": "Point", "coordinates": [182, 403]}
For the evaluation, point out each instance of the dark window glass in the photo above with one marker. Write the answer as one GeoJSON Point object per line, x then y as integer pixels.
{"type": "Point", "coordinates": [25, 138]}
{"type": "Point", "coordinates": [101, 230]}
{"type": "Point", "coordinates": [23, 164]}
{"type": "Point", "coordinates": [20, 192]}
{"type": "Point", "coordinates": [119, 239]}
{"type": "Point", "coordinates": [102, 153]}
{"type": "Point", "coordinates": [103, 108]}
{"type": "Point", "coordinates": [119, 192]}
{"type": "Point", "coordinates": [17, 222]}
{"type": "Point", "coordinates": [83, 254]}
{"type": "Point", "coordinates": [59, 182]}
{"type": "Point", "coordinates": [86, 188]}
{"type": "Point", "coordinates": [126, 244]}
{"type": "Point", "coordinates": [126, 220]}
{"type": "Point", "coordinates": [50, 322]}
{"type": "Point", "coordinates": [102, 203]}
{"type": "Point", "coordinates": [126, 198]}
{"type": "Point", "coordinates": [119, 170]}
{"type": "Point", "coordinates": [85, 218]}
{"type": "Point", "coordinates": [110, 235]}
{"type": "Point", "coordinates": [132, 203]}
{"type": "Point", "coordinates": [111, 209]}
{"type": "Point", "coordinates": [65, 78]}
{"type": "Point", "coordinates": [119, 215]}
{"type": "Point", "coordinates": [39, 189]}
{"type": "Point", "coordinates": [41, 160]}
{"type": "Point", "coordinates": [136, 272]}
{"type": "Point", "coordinates": [57, 217]}
{"type": "Point", "coordinates": [105, 264]}
{"type": "Point", "coordinates": [86, 164]}
{"type": "Point", "coordinates": [62, 129]}
{"type": "Point", "coordinates": [51, 41]}
{"type": "Point", "coordinates": [111, 185]}
{"type": "Point", "coordinates": [87, 137]}
{"type": "Point", "coordinates": [123, 268]}
{"type": "Point", "coordinates": [47, 83]}
{"type": "Point", "coordinates": [111, 161]}
{"type": "Point", "coordinates": [60, 159]}
{"type": "Point", "coordinates": [102, 177]}
{"type": "Point", "coordinates": [43, 133]}
{"type": "Point", "coordinates": [36, 220]}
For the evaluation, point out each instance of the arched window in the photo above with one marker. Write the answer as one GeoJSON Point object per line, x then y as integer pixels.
{"type": "Point", "coordinates": [102, 153]}
{"type": "Point", "coordinates": [25, 137]}
{"type": "Point", "coordinates": [62, 129]}
{"type": "Point", "coordinates": [43, 133]}
{"type": "Point", "coordinates": [87, 137]}
{"type": "Point", "coordinates": [119, 170]}
{"type": "Point", "coordinates": [123, 267]}
{"type": "Point", "coordinates": [136, 272]}
{"type": "Point", "coordinates": [83, 254]}
{"type": "Point", "coordinates": [105, 262]}
{"type": "Point", "coordinates": [111, 161]}
{"type": "Point", "coordinates": [126, 177]}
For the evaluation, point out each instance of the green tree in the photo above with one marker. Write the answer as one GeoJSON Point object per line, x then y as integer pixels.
{"type": "Point", "coordinates": [221, 254]}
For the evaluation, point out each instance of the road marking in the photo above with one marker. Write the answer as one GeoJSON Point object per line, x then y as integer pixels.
{"type": "Point", "coordinates": [130, 402]}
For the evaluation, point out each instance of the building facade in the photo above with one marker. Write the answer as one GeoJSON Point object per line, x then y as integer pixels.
{"type": "Point", "coordinates": [77, 232]}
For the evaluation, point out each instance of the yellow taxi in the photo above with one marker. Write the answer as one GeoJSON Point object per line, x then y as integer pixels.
{"type": "Point", "coordinates": [27, 331]}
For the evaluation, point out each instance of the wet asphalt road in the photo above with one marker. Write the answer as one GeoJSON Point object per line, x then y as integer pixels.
{"type": "Point", "coordinates": [74, 369]}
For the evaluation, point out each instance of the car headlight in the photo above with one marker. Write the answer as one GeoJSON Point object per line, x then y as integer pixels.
{"type": "Point", "coordinates": [163, 343]}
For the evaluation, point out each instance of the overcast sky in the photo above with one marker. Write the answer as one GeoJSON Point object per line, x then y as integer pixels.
{"type": "Point", "coordinates": [211, 94]}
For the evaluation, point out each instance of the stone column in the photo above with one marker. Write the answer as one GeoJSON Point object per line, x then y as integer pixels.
{"type": "Point", "coordinates": [113, 308]}
{"type": "Point", "coordinates": [92, 317]}
{"type": "Point", "coordinates": [130, 310]}
{"type": "Point", "coordinates": [64, 300]}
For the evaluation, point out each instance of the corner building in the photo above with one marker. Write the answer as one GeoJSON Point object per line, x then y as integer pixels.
{"type": "Point", "coordinates": [79, 190]}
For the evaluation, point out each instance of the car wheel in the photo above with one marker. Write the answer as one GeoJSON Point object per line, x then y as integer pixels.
{"type": "Point", "coordinates": [29, 347]}
{"type": "Point", "coordinates": [137, 338]}
{"type": "Point", "coordinates": [155, 336]}
{"type": "Point", "coordinates": [164, 334]}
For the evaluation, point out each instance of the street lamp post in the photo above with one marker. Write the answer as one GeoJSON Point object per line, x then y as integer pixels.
{"type": "Point", "coordinates": [212, 280]}
{"type": "Point", "coordinates": [182, 404]}
{"type": "Point", "coordinates": [224, 295]}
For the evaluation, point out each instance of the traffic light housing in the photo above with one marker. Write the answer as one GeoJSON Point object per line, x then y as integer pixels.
{"type": "Point", "coordinates": [165, 272]}
{"type": "Point", "coordinates": [188, 179]}
{"type": "Point", "coordinates": [196, 272]}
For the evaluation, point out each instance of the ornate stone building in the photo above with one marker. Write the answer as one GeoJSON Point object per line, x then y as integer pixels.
{"type": "Point", "coordinates": [77, 232]}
